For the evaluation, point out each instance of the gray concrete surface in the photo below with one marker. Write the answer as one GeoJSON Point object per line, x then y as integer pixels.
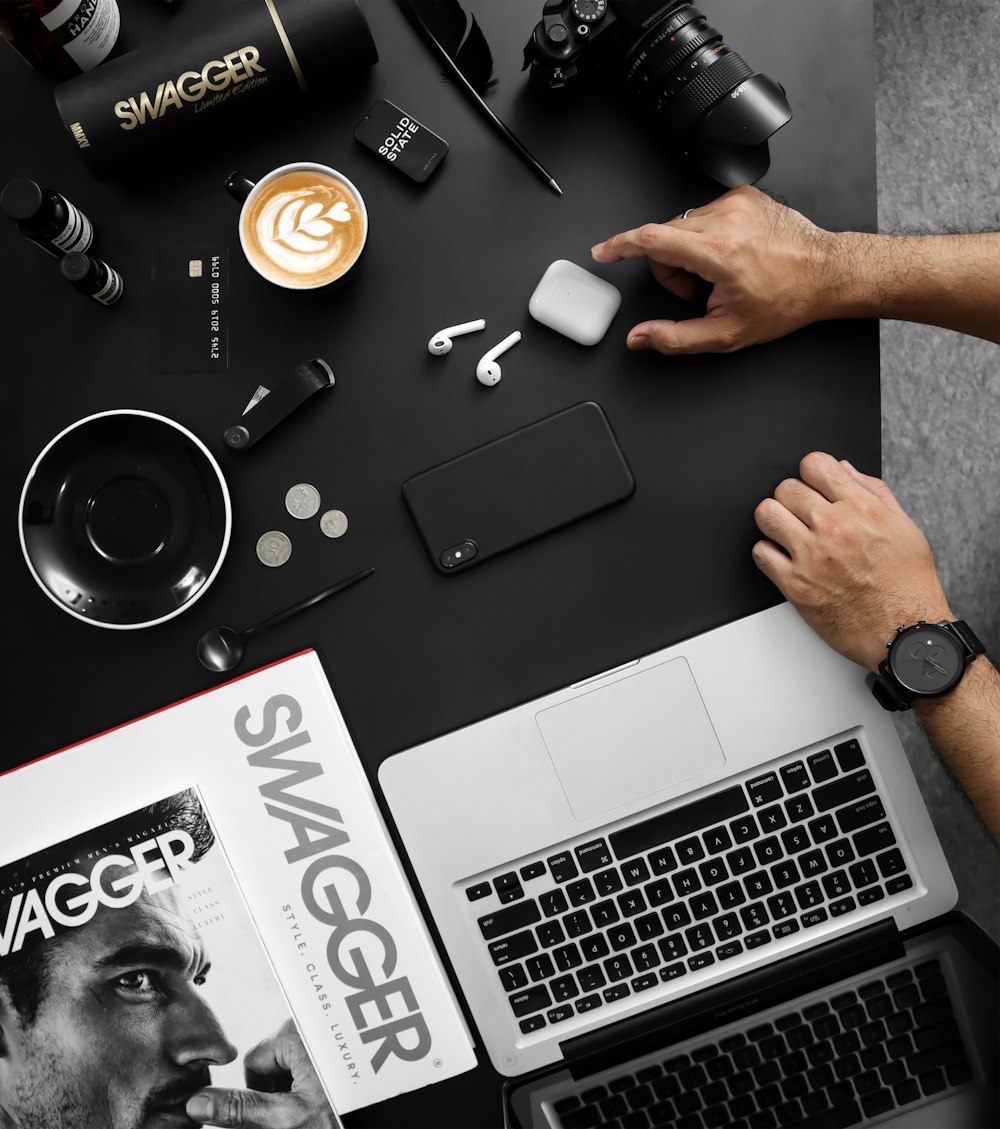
{"type": "Point", "coordinates": [938, 153]}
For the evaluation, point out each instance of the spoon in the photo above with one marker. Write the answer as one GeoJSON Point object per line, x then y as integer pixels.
{"type": "Point", "coordinates": [221, 648]}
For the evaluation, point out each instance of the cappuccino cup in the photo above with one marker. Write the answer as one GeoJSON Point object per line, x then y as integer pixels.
{"type": "Point", "coordinates": [302, 226]}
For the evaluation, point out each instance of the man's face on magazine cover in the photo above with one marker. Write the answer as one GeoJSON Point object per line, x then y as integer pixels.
{"type": "Point", "coordinates": [123, 1036]}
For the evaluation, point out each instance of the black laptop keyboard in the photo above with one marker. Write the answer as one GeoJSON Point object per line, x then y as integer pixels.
{"type": "Point", "coordinates": [891, 1043]}
{"type": "Point", "coordinates": [776, 854]}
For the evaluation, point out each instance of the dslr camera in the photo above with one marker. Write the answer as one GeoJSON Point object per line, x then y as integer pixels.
{"type": "Point", "coordinates": [702, 93]}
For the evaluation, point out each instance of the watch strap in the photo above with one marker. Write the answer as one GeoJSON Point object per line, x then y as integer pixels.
{"type": "Point", "coordinates": [886, 691]}
{"type": "Point", "coordinates": [966, 637]}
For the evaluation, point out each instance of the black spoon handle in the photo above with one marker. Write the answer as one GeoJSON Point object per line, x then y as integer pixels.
{"type": "Point", "coordinates": [308, 603]}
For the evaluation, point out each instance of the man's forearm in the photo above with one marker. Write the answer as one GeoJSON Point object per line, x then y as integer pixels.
{"type": "Point", "coordinates": [964, 727]}
{"type": "Point", "coordinates": [947, 280]}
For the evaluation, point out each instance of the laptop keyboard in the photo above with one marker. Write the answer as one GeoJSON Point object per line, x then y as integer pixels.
{"type": "Point", "coordinates": [880, 1049]}
{"type": "Point", "coordinates": [775, 854]}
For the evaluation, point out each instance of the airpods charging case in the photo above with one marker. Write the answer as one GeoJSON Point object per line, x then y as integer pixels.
{"type": "Point", "coordinates": [574, 302]}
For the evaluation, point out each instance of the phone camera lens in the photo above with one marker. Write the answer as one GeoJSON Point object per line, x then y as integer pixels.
{"type": "Point", "coordinates": [459, 554]}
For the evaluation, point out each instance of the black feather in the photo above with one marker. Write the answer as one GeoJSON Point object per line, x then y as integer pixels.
{"type": "Point", "coordinates": [456, 36]}
{"type": "Point", "coordinates": [459, 43]}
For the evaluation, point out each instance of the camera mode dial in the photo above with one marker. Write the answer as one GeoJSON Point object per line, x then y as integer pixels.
{"type": "Point", "coordinates": [589, 11]}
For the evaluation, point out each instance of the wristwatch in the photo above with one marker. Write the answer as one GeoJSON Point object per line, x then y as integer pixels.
{"type": "Point", "coordinates": [925, 660]}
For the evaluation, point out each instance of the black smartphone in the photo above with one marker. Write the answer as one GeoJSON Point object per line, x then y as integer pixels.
{"type": "Point", "coordinates": [515, 488]}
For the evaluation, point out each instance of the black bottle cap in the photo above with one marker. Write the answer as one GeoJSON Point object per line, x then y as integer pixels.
{"type": "Point", "coordinates": [75, 266]}
{"type": "Point", "coordinates": [236, 438]}
{"type": "Point", "coordinates": [21, 199]}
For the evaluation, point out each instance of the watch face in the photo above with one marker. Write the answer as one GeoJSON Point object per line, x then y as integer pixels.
{"type": "Point", "coordinates": [926, 659]}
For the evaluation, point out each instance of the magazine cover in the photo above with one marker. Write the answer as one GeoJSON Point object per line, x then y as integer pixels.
{"type": "Point", "coordinates": [275, 767]}
{"type": "Point", "coordinates": [126, 954]}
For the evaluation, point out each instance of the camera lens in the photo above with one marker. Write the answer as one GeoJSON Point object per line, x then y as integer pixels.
{"type": "Point", "coordinates": [664, 47]}
{"type": "Point", "coordinates": [701, 92]}
{"type": "Point", "coordinates": [682, 68]}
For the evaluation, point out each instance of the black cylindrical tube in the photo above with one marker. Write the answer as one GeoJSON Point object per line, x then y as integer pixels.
{"type": "Point", "coordinates": [237, 64]}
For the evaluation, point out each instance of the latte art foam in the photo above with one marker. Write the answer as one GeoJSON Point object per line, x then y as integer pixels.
{"type": "Point", "coordinates": [303, 228]}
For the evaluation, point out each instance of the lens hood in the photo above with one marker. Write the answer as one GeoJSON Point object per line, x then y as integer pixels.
{"type": "Point", "coordinates": [706, 99]}
{"type": "Point", "coordinates": [729, 144]}
{"type": "Point", "coordinates": [748, 115]}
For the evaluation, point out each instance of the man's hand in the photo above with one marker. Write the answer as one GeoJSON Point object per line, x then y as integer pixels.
{"type": "Point", "coordinates": [773, 271]}
{"type": "Point", "coordinates": [842, 550]}
{"type": "Point", "coordinates": [303, 1107]}
{"type": "Point", "coordinates": [769, 266]}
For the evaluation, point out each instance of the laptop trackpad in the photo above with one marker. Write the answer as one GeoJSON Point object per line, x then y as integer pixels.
{"type": "Point", "coordinates": [630, 739]}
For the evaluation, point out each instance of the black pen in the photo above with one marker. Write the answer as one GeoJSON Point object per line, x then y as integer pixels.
{"type": "Point", "coordinates": [410, 9]}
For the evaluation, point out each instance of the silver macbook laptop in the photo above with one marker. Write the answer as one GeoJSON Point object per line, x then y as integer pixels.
{"type": "Point", "coordinates": [681, 836]}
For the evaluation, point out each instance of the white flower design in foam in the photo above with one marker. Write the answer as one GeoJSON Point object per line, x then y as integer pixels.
{"type": "Point", "coordinates": [300, 228]}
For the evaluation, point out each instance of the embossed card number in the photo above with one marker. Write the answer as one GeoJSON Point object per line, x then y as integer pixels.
{"type": "Point", "coordinates": [190, 298]}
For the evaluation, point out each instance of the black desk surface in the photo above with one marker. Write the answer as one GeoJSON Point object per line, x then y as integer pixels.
{"type": "Point", "coordinates": [409, 653]}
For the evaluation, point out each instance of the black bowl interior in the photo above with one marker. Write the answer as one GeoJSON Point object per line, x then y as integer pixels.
{"type": "Point", "coordinates": [124, 519]}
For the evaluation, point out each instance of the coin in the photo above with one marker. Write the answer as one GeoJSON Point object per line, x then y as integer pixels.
{"type": "Point", "coordinates": [273, 548]}
{"type": "Point", "coordinates": [334, 523]}
{"type": "Point", "coordinates": [302, 501]}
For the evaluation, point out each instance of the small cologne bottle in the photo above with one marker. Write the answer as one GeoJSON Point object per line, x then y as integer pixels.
{"type": "Point", "coordinates": [61, 38]}
{"type": "Point", "coordinates": [46, 217]}
{"type": "Point", "coordinates": [92, 277]}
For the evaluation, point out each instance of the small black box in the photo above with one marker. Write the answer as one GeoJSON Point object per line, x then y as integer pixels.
{"type": "Point", "coordinates": [401, 141]}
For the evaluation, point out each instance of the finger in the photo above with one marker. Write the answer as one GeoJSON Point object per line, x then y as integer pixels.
{"type": "Point", "coordinates": [246, 1109]}
{"type": "Point", "coordinates": [801, 500]}
{"type": "Point", "coordinates": [874, 486]}
{"type": "Point", "coordinates": [265, 1058]}
{"type": "Point", "coordinates": [825, 474]}
{"type": "Point", "coordinates": [687, 222]}
{"type": "Point", "coordinates": [677, 281]}
{"type": "Point", "coordinates": [780, 525]}
{"type": "Point", "coordinates": [773, 562]}
{"type": "Point", "coordinates": [281, 1063]}
{"type": "Point", "coordinates": [710, 334]}
{"type": "Point", "coordinates": [278, 1063]}
{"type": "Point", "coordinates": [665, 243]}
{"type": "Point", "coordinates": [697, 223]}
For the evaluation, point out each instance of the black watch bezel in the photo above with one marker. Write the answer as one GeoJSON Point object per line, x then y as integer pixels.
{"type": "Point", "coordinates": [890, 689]}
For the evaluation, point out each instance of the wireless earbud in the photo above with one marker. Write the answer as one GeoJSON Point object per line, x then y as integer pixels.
{"type": "Point", "coordinates": [488, 371]}
{"type": "Point", "coordinates": [441, 342]}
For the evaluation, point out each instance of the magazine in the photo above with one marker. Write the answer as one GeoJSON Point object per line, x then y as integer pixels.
{"type": "Point", "coordinates": [125, 952]}
{"type": "Point", "coordinates": [314, 876]}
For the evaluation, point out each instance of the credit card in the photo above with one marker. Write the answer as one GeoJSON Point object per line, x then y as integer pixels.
{"type": "Point", "coordinates": [190, 294]}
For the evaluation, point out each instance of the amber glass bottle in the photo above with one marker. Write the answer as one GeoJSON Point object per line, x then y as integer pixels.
{"type": "Point", "coordinates": [61, 38]}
